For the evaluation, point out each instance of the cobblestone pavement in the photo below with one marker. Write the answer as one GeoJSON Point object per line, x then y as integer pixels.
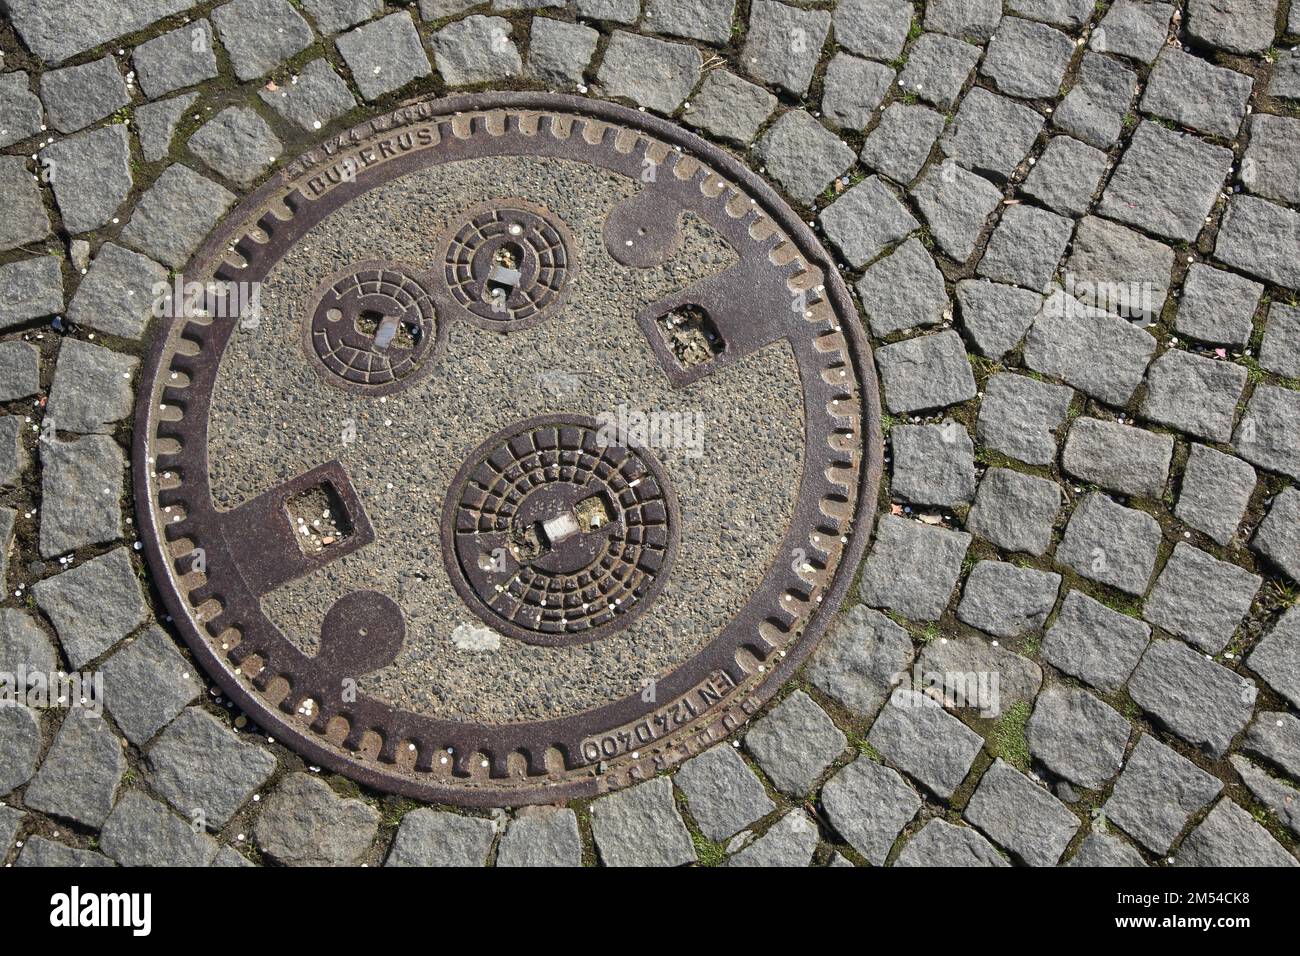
{"type": "Point", "coordinates": [1074, 232]}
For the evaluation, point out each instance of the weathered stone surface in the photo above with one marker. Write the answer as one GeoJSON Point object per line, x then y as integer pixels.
{"type": "Point", "coordinates": [1094, 643]}
{"type": "Point", "coordinates": [1094, 109]}
{"type": "Point", "coordinates": [858, 661]}
{"type": "Point", "coordinates": [1269, 432]}
{"type": "Point", "coordinates": [956, 205]}
{"type": "Point", "coordinates": [143, 832]}
{"type": "Point", "coordinates": [93, 606]}
{"type": "Point", "coordinates": [155, 125]}
{"type": "Point", "coordinates": [1202, 702]}
{"type": "Point", "coordinates": [652, 73]}
{"type": "Point", "coordinates": [991, 134]}
{"type": "Point", "coordinates": [917, 735]}
{"type": "Point", "coordinates": [20, 745]}
{"type": "Point", "coordinates": [790, 841]}
{"type": "Point", "coordinates": [1119, 457]}
{"type": "Point", "coordinates": [477, 49]}
{"type": "Point", "coordinates": [640, 827]}
{"type": "Point", "coordinates": [1104, 849]}
{"type": "Point", "coordinates": [77, 96]}
{"type": "Point", "coordinates": [79, 777]}
{"type": "Point", "coordinates": [559, 52]}
{"type": "Point", "coordinates": [874, 28]}
{"type": "Point", "coordinates": [38, 851]}
{"type": "Point", "coordinates": [1285, 81]}
{"type": "Point", "coordinates": [81, 492]}
{"type": "Point", "coordinates": [91, 391]}
{"type": "Point", "coordinates": [1278, 537]}
{"type": "Point", "coordinates": [1275, 737]}
{"type": "Point", "coordinates": [996, 316]}
{"type": "Point", "coordinates": [1277, 657]}
{"type": "Point", "coordinates": [1090, 349]}
{"type": "Point", "coordinates": [14, 458]}
{"type": "Point", "coordinates": [1064, 13]}
{"type": "Point", "coordinates": [1261, 239]}
{"type": "Point", "coordinates": [722, 793]}
{"type": "Point", "coordinates": [383, 55]}
{"type": "Point", "coordinates": [867, 219]}
{"type": "Point", "coordinates": [1118, 270]}
{"type": "Point", "coordinates": [315, 98]}
{"type": "Point", "coordinates": [854, 89]}
{"type": "Point", "coordinates": [1201, 599]}
{"type": "Point", "coordinates": [729, 107]}
{"type": "Point", "coordinates": [1112, 544]}
{"type": "Point", "coordinates": [1197, 94]}
{"type": "Point", "coordinates": [913, 568]}
{"type": "Point", "coordinates": [238, 144]}
{"type": "Point", "coordinates": [1229, 837]}
{"type": "Point", "coordinates": [21, 113]}
{"type": "Point", "coordinates": [1020, 816]}
{"type": "Point", "coordinates": [619, 11]}
{"type": "Point", "coordinates": [543, 837]}
{"type": "Point", "coordinates": [903, 290]}
{"type": "Point", "coordinates": [259, 35]}
{"type": "Point", "coordinates": [929, 371]}
{"type": "Point", "coordinates": [794, 743]}
{"type": "Point", "coordinates": [305, 823]}
{"type": "Point", "coordinates": [198, 764]}
{"type": "Point", "coordinates": [175, 214]}
{"type": "Point", "coordinates": [940, 843]}
{"type": "Point", "coordinates": [1237, 26]}
{"type": "Point", "coordinates": [116, 295]}
{"type": "Point", "coordinates": [933, 464]}
{"type": "Point", "coordinates": [91, 176]}
{"type": "Point", "coordinates": [1006, 600]}
{"type": "Point", "coordinates": [784, 43]}
{"type": "Point", "coordinates": [1019, 417]}
{"type": "Point", "coordinates": [1217, 306]}
{"type": "Point", "coordinates": [20, 370]}
{"type": "Point", "coordinates": [1269, 168]}
{"type": "Point", "coordinates": [947, 665]}
{"type": "Point", "coordinates": [26, 220]}
{"type": "Point", "coordinates": [1280, 352]}
{"type": "Point", "coordinates": [147, 683]}
{"type": "Point", "coordinates": [1215, 493]}
{"type": "Point", "coordinates": [181, 58]}
{"type": "Point", "coordinates": [968, 19]}
{"type": "Point", "coordinates": [902, 140]}
{"type": "Point", "coordinates": [1076, 736]}
{"type": "Point", "coordinates": [1278, 797]}
{"type": "Point", "coordinates": [707, 20]}
{"type": "Point", "coordinates": [23, 645]}
{"type": "Point", "coordinates": [1133, 29]}
{"type": "Point", "coordinates": [331, 16]}
{"type": "Point", "coordinates": [802, 155]}
{"type": "Point", "coordinates": [1026, 247]}
{"type": "Point", "coordinates": [937, 69]}
{"type": "Point", "coordinates": [430, 837]}
{"type": "Point", "coordinates": [1157, 794]}
{"type": "Point", "coordinates": [55, 32]}
{"type": "Point", "coordinates": [869, 805]}
{"type": "Point", "coordinates": [1027, 59]}
{"type": "Point", "coordinates": [30, 289]}
{"type": "Point", "coordinates": [1066, 176]}
{"type": "Point", "coordinates": [1015, 512]}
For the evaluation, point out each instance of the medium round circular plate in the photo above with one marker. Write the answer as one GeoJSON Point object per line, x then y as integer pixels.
{"type": "Point", "coordinates": [551, 454]}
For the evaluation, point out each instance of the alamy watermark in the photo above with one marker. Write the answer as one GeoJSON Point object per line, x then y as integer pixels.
{"type": "Point", "coordinates": [679, 430]}
{"type": "Point", "coordinates": [39, 690]}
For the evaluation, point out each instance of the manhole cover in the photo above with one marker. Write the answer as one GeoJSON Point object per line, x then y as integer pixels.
{"type": "Point", "coordinates": [543, 461]}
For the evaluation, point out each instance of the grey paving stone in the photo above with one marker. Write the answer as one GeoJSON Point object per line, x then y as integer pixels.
{"type": "Point", "coordinates": [929, 371]}
{"type": "Point", "coordinates": [858, 661]}
{"type": "Point", "coordinates": [541, 837]}
{"type": "Point", "coordinates": [1215, 492]}
{"type": "Point", "coordinates": [1261, 239]}
{"type": "Point", "coordinates": [940, 843]}
{"type": "Point", "coordinates": [869, 805]}
{"type": "Point", "coordinates": [933, 464]}
{"type": "Point", "coordinates": [23, 645]}
{"type": "Point", "coordinates": [79, 776]}
{"type": "Point", "coordinates": [200, 765]}
{"type": "Point", "coordinates": [29, 289]}
{"type": "Point", "coordinates": [175, 215]}
{"type": "Point", "coordinates": [1088, 348]}
{"type": "Point", "coordinates": [77, 96]}
{"type": "Point", "coordinates": [426, 837]}
{"type": "Point", "coordinates": [1065, 13]}
{"type": "Point", "coordinates": [854, 89]}
{"type": "Point", "coordinates": [8, 517]}
{"type": "Point", "coordinates": [1285, 81]}
{"type": "Point", "coordinates": [913, 568]}
{"type": "Point", "coordinates": [1194, 93]}
{"type": "Point", "coordinates": [1094, 109]}
{"type": "Point", "coordinates": [55, 32]}
{"type": "Point", "coordinates": [183, 57]}
{"type": "Point", "coordinates": [1066, 176]}
{"type": "Point", "coordinates": [790, 841]}
{"type": "Point", "coordinates": [1015, 512]}
{"type": "Point", "coordinates": [475, 50]}
{"type": "Point", "coordinates": [38, 851]}
{"type": "Point", "coordinates": [237, 144]}
{"type": "Point", "coordinates": [956, 205]}
{"type": "Point", "coordinates": [1157, 794]}
{"type": "Point", "coordinates": [966, 19]}
{"type": "Point", "coordinates": [81, 493]}
{"type": "Point", "coordinates": [996, 316]}
{"type": "Point", "coordinates": [619, 11]}
{"type": "Point", "coordinates": [317, 98]}
{"type": "Point", "coordinates": [1104, 849]}
{"type": "Point", "coordinates": [1217, 306]}
{"type": "Point", "coordinates": [1026, 247]}
{"type": "Point", "coordinates": [147, 683]}
{"type": "Point", "coordinates": [1278, 537]}
{"type": "Point", "coordinates": [1119, 457]}
{"type": "Point", "coordinates": [20, 370]}
{"type": "Point", "coordinates": [652, 73]}
{"type": "Point", "coordinates": [1076, 736]}
{"type": "Point", "coordinates": [259, 35]}
{"type": "Point", "coordinates": [902, 140]}
{"type": "Point", "coordinates": [722, 793]}
{"type": "Point", "coordinates": [305, 823]}
{"type": "Point", "coordinates": [92, 390]}
{"type": "Point", "coordinates": [13, 453]}
{"type": "Point", "coordinates": [794, 743]}
{"type": "Point", "coordinates": [383, 55]}
{"type": "Point", "coordinates": [1201, 701]}
{"type": "Point", "coordinates": [1167, 182]}
{"type": "Point", "coordinates": [802, 155]}
{"type": "Point", "coordinates": [1269, 432]}
{"type": "Point", "coordinates": [331, 16]}
{"type": "Point", "coordinates": [26, 220]}
{"type": "Point", "coordinates": [1133, 28]}
{"type": "Point", "coordinates": [21, 113]}
{"type": "Point", "coordinates": [559, 52]}
{"type": "Point", "coordinates": [20, 747]}
{"type": "Point", "coordinates": [143, 832]}
{"type": "Point", "coordinates": [1238, 26]}
{"type": "Point", "coordinates": [91, 176]}
{"type": "Point", "coordinates": [948, 665]}
{"type": "Point", "coordinates": [92, 606]}
{"type": "Point", "coordinates": [1019, 417]}
{"type": "Point", "coordinates": [1094, 643]}
{"type": "Point", "coordinates": [1279, 798]}
{"type": "Point", "coordinates": [1021, 816]}
{"type": "Point", "coordinates": [1269, 167]}
{"type": "Point", "coordinates": [903, 290]}
{"type": "Point", "coordinates": [1280, 352]}
{"type": "Point", "coordinates": [729, 107]}
{"type": "Point", "coordinates": [1118, 270]}
{"type": "Point", "coordinates": [1275, 736]}
{"type": "Point", "coordinates": [116, 296]}
{"type": "Point", "coordinates": [1112, 544]}
{"type": "Point", "coordinates": [640, 826]}
{"type": "Point", "coordinates": [1277, 657]}
{"type": "Point", "coordinates": [873, 28]}
{"type": "Point", "coordinates": [1006, 600]}
{"type": "Point", "coordinates": [867, 219]}
{"type": "Point", "coordinates": [926, 742]}
{"type": "Point", "coordinates": [991, 134]}
{"type": "Point", "coordinates": [707, 20]}
{"type": "Point", "coordinates": [1228, 836]}
{"type": "Point", "coordinates": [155, 124]}
{"type": "Point", "coordinates": [784, 43]}
{"type": "Point", "coordinates": [1027, 59]}
{"type": "Point", "coordinates": [937, 69]}
{"type": "Point", "coordinates": [1200, 598]}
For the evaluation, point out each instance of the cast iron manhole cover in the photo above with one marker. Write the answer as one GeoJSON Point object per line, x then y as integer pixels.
{"type": "Point", "coordinates": [546, 458]}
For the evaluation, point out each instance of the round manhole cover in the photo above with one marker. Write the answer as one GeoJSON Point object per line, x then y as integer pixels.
{"type": "Point", "coordinates": [512, 447]}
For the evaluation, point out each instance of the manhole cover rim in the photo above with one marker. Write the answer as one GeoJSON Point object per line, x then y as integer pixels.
{"type": "Point", "coordinates": [860, 526]}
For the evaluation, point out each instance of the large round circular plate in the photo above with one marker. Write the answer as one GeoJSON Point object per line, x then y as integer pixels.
{"type": "Point", "coordinates": [552, 450]}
